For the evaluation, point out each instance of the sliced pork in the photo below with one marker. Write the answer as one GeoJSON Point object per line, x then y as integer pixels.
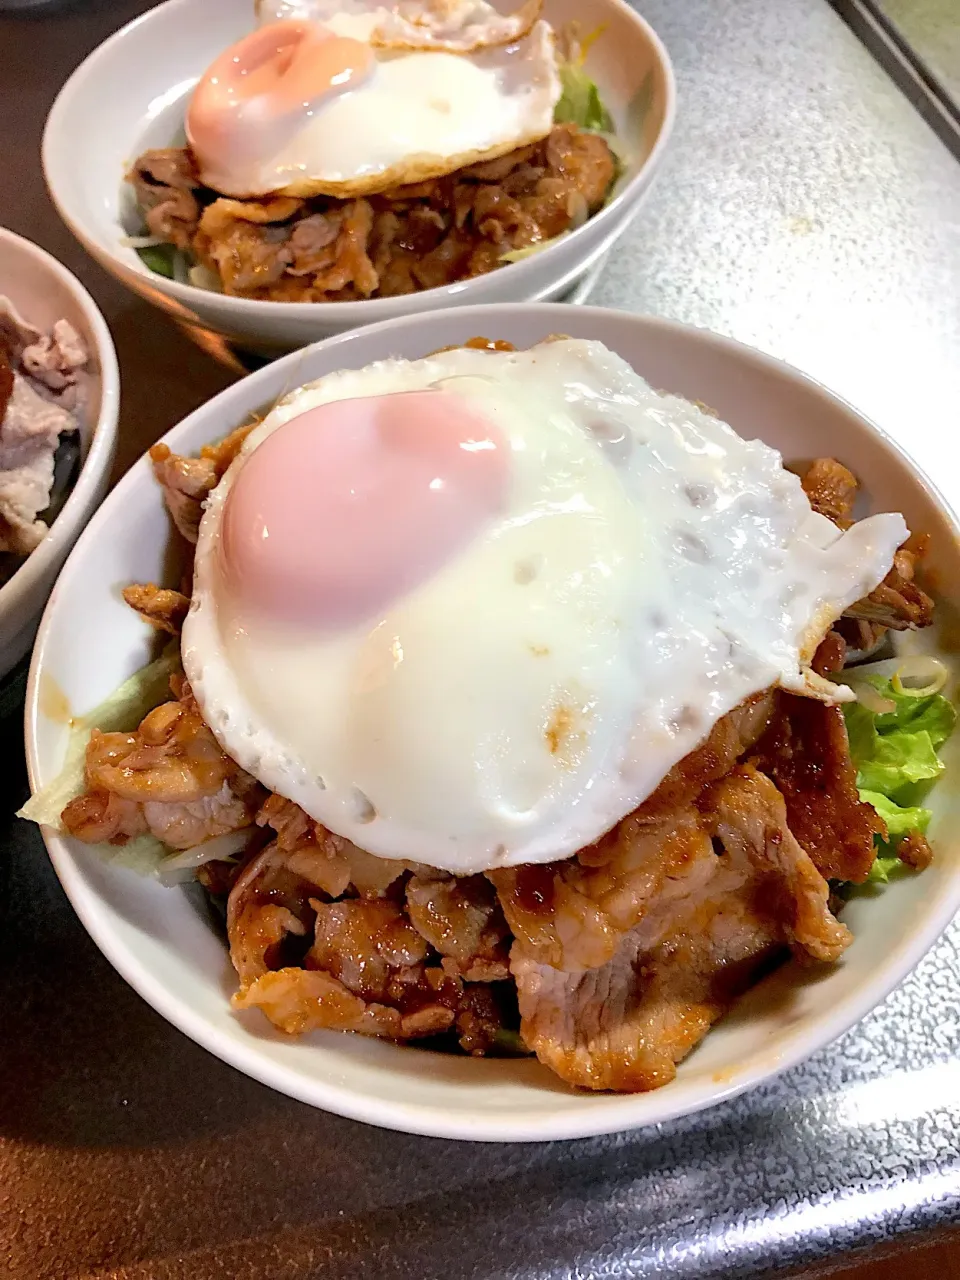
{"type": "Point", "coordinates": [806, 753]}
{"type": "Point", "coordinates": [419, 236]}
{"type": "Point", "coordinates": [626, 1024]}
{"type": "Point", "coordinates": [41, 397]}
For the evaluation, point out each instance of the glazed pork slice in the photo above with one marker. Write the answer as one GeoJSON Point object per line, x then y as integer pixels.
{"type": "Point", "coordinates": [163, 608]}
{"type": "Point", "coordinates": [186, 481]}
{"type": "Point", "coordinates": [169, 778]}
{"type": "Point", "coordinates": [899, 602]}
{"type": "Point", "coordinates": [461, 919]}
{"type": "Point", "coordinates": [167, 186]}
{"type": "Point", "coordinates": [806, 753]}
{"type": "Point", "coordinates": [748, 893]}
{"type": "Point", "coordinates": [416, 236]}
{"type": "Point", "coordinates": [572, 914]}
{"type": "Point", "coordinates": [832, 490]}
{"type": "Point", "coordinates": [357, 964]}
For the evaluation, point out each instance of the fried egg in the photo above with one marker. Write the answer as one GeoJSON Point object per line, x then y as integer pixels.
{"type": "Point", "coordinates": [469, 610]}
{"type": "Point", "coordinates": [351, 99]}
{"type": "Point", "coordinates": [458, 26]}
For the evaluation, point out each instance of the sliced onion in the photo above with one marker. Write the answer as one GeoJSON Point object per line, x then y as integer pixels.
{"type": "Point", "coordinates": [919, 676]}
{"type": "Point", "coordinates": [181, 866]}
{"type": "Point", "coordinates": [518, 255]}
{"type": "Point", "coordinates": [577, 209]}
{"type": "Point", "coordinates": [181, 271]}
{"type": "Point", "coordinates": [872, 698]}
{"type": "Point", "coordinates": [141, 242]}
{"type": "Point", "coordinates": [202, 277]}
{"type": "Point", "coordinates": [885, 668]}
{"type": "Point", "coordinates": [618, 147]}
{"type": "Point", "coordinates": [916, 676]}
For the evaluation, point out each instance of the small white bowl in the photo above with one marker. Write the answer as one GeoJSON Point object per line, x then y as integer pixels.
{"type": "Point", "coordinates": [130, 94]}
{"type": "Point", "coordinates": [43, 292]}
{"type": "Point", "coordinates": [160, 939]}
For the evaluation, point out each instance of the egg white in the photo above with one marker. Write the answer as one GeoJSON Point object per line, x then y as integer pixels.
{"type": "Point", "coordinates": [459, 26]}
{"type": "Point", "coordinates": [652, 570]}
{"type": "Point", "coordinates": [421, 113]}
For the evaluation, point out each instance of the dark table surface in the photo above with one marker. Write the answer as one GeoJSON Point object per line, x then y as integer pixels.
{"type": "Point", "coordinates": [805, 208]}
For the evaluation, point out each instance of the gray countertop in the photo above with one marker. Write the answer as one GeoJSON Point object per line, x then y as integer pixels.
{"type": "Point", "coordinates": [804, 208]}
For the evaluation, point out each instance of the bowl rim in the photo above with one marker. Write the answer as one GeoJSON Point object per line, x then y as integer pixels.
{"type": "Point", "coordinates": [619, 1112]}
{"type": "Point", "coordinates": [365, 311]}
{"type": "Point", "coordinates": [103, 433]}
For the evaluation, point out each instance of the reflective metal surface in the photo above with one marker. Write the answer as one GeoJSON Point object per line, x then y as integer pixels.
{"type": "Point", "coordinates": [805, 208]}
{"type": "Point", "coordinates": [917, 42]}
{"type": "Point", "coordinates": [932, 30]}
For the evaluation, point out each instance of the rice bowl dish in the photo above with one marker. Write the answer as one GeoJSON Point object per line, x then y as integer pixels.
{"type": "Point", "coordinates": [132, 95]}
{"type": "Point", "coordinates": [638, 801]}
{"type": "Point", "coordinates": [346, 151]}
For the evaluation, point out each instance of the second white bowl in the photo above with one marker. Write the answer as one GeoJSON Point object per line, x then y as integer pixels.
{"type": "Point", "coordinates": [130, 94]}
{"type": "Point", "coordinates": [44, 291]}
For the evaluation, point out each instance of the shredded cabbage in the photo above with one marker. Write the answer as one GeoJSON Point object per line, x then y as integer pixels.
{"type": "Point", "coordinates": [121, 712]}
{"type": "Point", "coordinates": [177, 867]}
{"type": "Point", "coordinates": [895, 754]}
{"type": "Point", "coordinates": [141, 242]}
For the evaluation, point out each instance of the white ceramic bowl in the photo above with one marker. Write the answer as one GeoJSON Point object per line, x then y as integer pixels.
{"type": "Point", "coordinates": [43, 292]}
{"type": "Point", "coordinates": [159, 939]}
{"type": "Point", "coordinates": [130, 94]}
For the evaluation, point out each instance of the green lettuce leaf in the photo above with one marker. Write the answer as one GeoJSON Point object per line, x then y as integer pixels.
{"type": "Point", "coordinates": [884, 865]}
{"type": "Point", "coordinates": [895, 754]}
{"type": "Point", "coordinates": [900, 819]}
{"type": "Point", "coordinates": [159, 258]}
{"type": "Point", "coordinates": [898, 760]}
{"type": "Point", "coordinates": [510, 1044]}
{"type": "Point", "coordinates": [580, 102]}
{"type": "Point", "coordinates": [861, 731]}
{"type": "Point", "coordinates": [934, 714]}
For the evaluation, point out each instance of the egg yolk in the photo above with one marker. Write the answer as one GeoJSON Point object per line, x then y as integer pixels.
{"type": "Point", "coordinates": [350, 505]}
{"type": "Point", "coordinates": [261, 89]}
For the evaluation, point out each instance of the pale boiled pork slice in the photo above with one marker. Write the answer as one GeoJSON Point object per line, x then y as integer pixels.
{"type": "Point", "coordinates": [16, 334]}
{"type": "Point", "coordinates": [55, 359]}
{"type": "Point", "coordinates": [748, 892]}
{"type": "Point", "coordinates": [29, 434]}
{"type": "Point", "coordinates": [52, 359]}
{"type": "Point", "coordinates": [41, 372]}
